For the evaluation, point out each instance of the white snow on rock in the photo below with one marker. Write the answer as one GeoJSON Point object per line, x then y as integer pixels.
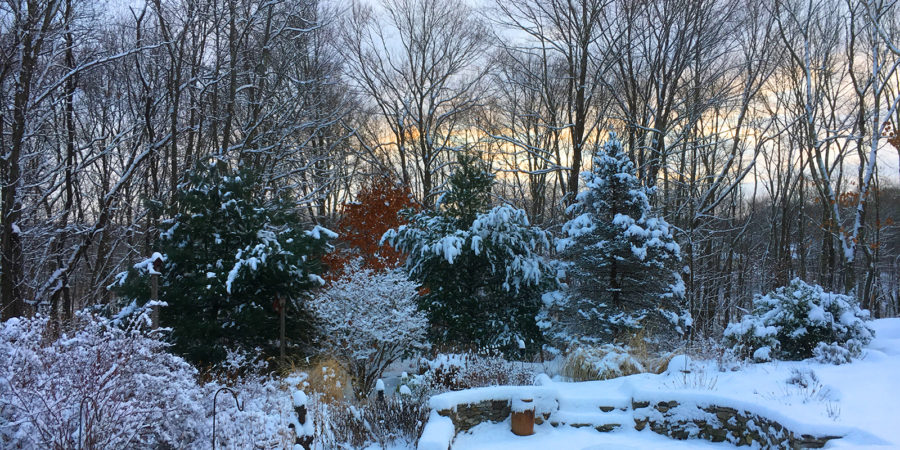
{"type": "Point", "coordinates": [679, 364]}
{"type": "Point", "coordinates": [300, 399]}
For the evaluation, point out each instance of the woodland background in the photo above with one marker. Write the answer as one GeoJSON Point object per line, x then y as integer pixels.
{"type": "Point", "coordinates": [765, 126]}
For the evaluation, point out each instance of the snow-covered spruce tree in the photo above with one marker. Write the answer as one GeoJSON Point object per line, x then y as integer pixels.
{"type": "Point", "coordinates": [800, 321]}
{"type": "Point", "coordinates": [369, 319]}
{"type": "Point", "coordinates": [621, 261]}
{"type": "Point", "coordinates": [232, 249]}
{"type": "Point", "coordinates": [481, 269]}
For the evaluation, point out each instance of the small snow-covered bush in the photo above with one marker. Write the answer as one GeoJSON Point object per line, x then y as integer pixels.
{"type": "Point", "coordinates": [369, 319]}
{"type": "Point", "coordinates": [456, 371]}
{"type": "Point", "coordinates": [805, 385]}
{"type": "Point", "coordinates": [800, 321]}
{"type": "Point", "coordinates": [834, 353]}
{"type": "Point", "coordinates": [392, 423]}
{"type": "Point", "coordinates": [263, 421]}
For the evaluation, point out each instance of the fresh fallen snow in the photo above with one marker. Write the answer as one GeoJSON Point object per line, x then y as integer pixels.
{"type": "Point", "coordinates": [857, 401]}
{"type": "Point", "coordinates": [438, 431]}
{"type": "Point", "coordinates": [496, 436]}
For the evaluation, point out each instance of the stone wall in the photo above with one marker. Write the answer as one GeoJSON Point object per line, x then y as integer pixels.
{"type": "Point", "coordinates": [466, 416]}
{"type": "Point", "coordinates": [712, 422]}
{"type": "Point", "coordinates": [720, 424]}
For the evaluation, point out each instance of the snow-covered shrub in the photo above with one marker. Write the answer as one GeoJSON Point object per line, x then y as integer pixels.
{"type": "Point", "coordinates": [750, 338]}
{"type": "Point", "coordinates": [800, 321]}
{"type": "Point", "coordinates": [456, 371]}
{"type": "Point", "coordinates": [834, 353]}
{"type": "Point", "coordinates": [684, 374]}
{"type": "Point", "coordinates": [369, 320]}
{"type": "Point", "coordinates": [263, 422]}
{"type": "Point", "coordinates": [709, 348]}
{"type": "Point", "coordinates": [393, 423]}
{"type": "Point", "coordinates": [131, 392]}
{"type": "Point", "coordinates": [805, 385]}
{"type": "Point", "coordinates": [600, 363]}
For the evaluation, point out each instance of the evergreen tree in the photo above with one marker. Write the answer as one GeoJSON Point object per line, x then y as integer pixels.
{"type": "Point", "coordinates": [231, 251]}
{"type": "Point", "coordinates": [621, 260]}
{"type": "Point", "coordinates": [481, 269]}
{"type": "Point", "coordinates": [470, 191]}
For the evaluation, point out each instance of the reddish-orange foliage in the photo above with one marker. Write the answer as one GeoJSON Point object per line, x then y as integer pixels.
{"type": "Point", "coordinates": [363, 222]}
{"type": "Point", "coordinates": [893, 137]}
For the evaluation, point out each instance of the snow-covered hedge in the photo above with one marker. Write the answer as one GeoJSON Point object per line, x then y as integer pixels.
{"type": "Point", "coordinates": [800, 321]}
{"type": "Point", "coordinates": [392, 423]}
{"type": "Point", "coordinates": [456, 371]}
{"type": "Point", "coordinates": [129, 391]}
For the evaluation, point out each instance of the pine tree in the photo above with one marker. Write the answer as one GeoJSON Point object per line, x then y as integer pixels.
{"type": "Point", "coordinates": [622, 260]}
{"type": "Point", "coordinates": [481, 269]}
{"type": "Point", "coordinates": [470, 191]}
{"type": "Point", "coordinates": [231, 250]}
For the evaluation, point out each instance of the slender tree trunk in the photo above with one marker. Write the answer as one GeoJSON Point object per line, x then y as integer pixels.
{"type": "Point", "coordinates": [11, 260]}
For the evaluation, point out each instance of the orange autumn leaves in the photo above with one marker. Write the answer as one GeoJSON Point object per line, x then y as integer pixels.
{"type": "Point", "coordinates": [377, 209]}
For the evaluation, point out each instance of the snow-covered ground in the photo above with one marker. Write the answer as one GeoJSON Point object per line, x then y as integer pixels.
{"type": "Point", "coordinates": [858, 401]}
{"type": "Point", "coordinates": [496, 436]}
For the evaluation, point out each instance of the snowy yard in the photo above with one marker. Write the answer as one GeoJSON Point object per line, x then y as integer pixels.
{"type": "Point", "coordinates": [418, 224]}
{"type": "Point", "coordinates": [856, 401]}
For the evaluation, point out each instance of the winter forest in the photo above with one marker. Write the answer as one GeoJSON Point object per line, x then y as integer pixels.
{"type": "Point", "coordinates": [399, 224]}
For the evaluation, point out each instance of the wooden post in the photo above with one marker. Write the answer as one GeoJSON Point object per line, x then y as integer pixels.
{"type": "Point", "coordinates": [154, 296]}
{"type": "Point", "coordinates": [304, 436]}
{"type": "Point", "coordinates": [379, 390]}
{"type": "Point", "coordinates": [522, 420]}
{"type": "Point", "coordinates": [282, 313]}
{"type": "Point", "coordinates": [155, 270]}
